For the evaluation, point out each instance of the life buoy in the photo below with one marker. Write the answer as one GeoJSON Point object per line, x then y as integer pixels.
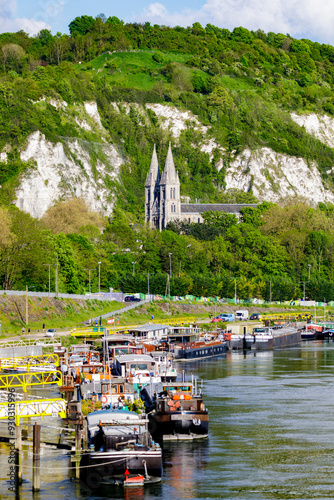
{"type": "Point", "coordinates": [227, 336]}
{"type": "Point", "coordinates": [181, 396]}
{"type": "Point", "coordinates": [104, 399]}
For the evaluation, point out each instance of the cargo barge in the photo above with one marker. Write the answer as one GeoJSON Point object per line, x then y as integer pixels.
{"type": "Point", "coordinates": [264, 338]}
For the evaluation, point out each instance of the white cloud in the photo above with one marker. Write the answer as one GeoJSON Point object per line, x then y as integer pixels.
{"type": "Point", "coordinates": [31, 26]}
{"type": "Point", "coordinates": [156, 10]}
{"type": "Point", "coordinates": [10, 23]}
{"type": "Point", "coordinates": [299, 18]}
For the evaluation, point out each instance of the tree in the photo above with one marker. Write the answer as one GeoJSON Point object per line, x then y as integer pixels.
{"type": "Point", "coordinates": [6, 235]}
{"type": "Point", "coordinates": [70, 216]}
{"type": "Point", "coordinates": [27, 248]}
{"type": "Point", "coordinates": [12, 56]}
{"type": "Point", "coordinates": [222, 220]}
{"type": "Point", "coordinates": [81, 25]}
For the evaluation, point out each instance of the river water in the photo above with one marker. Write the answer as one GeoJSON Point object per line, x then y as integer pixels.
{"type": "Point", "coordinates": [271, 435]}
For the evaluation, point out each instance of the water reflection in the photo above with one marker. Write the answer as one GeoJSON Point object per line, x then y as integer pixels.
{"type": "Point", "coordinates": [185, 464]}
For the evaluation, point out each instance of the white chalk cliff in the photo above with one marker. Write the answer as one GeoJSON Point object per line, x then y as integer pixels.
{"type": "Point", "coordinates": [71, 168]}
{"type": "Point", "coordinates": [270, 175]}
{"type": "Point", "coordinates": [75, 167]}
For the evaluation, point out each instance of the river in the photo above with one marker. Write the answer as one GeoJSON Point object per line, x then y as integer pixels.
{"type": "Point", "coordinates": [271, 435]}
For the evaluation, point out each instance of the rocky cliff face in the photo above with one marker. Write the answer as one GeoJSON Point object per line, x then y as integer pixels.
{"type": "Point", "coordinates": [71, 168]}
{"type": "Point", "coordinates": [87, 169]}
{"type": "Point", "coordinates": [270, 175]}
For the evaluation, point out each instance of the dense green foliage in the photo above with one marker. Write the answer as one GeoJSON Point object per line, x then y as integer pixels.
{"type": "Point", "coordinates": [272, 249]}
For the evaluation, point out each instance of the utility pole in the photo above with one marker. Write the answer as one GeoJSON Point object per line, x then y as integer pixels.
{"type": "Point", "coordinates": [235, 291]}
{"type": "Point", "coordinates": [304, 288]}
{"type": "Point", "coordinates": [99, 263]}
{"type": "Point", "coordinates": [270, 292]}
{"type": "Point", "coordinates": [49, 275]}
{"type": "Point", "coordinates": [148, 282]}
{"type": "Point", "coordinates": [89, 271]}
{"type": "Point", "coordinates": [57, 278]}
{"type": "Point", "coordinates": [27, 316]}
{"type": "Point", "coordinates": [167, 292]}
{"type": "Point", "coordinates": [170, 264]}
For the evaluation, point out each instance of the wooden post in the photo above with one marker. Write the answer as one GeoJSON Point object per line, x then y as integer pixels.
{"type": "Point", "coordinates": [84, 434]}
{"type": "Point", "coordinates": [36, 458]}
{"type": "Point", "coordinates": [18, 455]}
{"type": "Point", "coordinates": [77, 450]}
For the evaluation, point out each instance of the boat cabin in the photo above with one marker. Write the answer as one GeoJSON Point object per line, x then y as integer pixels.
{"type": "Point", "coordinates": [183, 334]}
{"type": "Point", "coordinates": [141, 369]}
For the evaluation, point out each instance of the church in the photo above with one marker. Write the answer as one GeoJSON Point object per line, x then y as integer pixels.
{"type": "Point", "coordinates": [163, 201]}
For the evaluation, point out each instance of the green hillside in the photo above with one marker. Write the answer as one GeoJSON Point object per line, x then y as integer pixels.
{"type": "Point", "coordinates": [241, 85]}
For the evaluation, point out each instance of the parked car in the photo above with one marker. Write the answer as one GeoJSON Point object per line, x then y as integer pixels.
{"type": "Point", "coordinates": [227, 317]}
{"type": "Point", "coordinates": [256, 316]}
{"type": "Point", "coordinates": [217, 318]}
{"type": "Point", "coordinates": [131, 298]}
{"type": "Point", "coordinates": [50, 332]}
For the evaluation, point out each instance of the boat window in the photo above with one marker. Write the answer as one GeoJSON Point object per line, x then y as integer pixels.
{"type": "Point", "coordinates": [142, 366]}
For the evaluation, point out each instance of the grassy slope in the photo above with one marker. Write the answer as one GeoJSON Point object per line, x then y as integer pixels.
{"type": "Point", "coordinates": [55, 313]}
{"type": "Point", "coordinates": [132, 69]}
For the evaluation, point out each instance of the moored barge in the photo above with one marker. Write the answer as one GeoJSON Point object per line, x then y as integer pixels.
{"type": "Point", "coordinates": [120, 448]}
{"type": "Point", "coordinates": [177, 413]}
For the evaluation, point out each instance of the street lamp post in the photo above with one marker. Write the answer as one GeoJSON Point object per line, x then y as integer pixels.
{"type": "Point", "coordinates": [89, 271]}
{"type": "Point", "coordinates": [133, 267]}
{"type": "Point", "coordinates": [99, 263]}
{"type": "Point", "coordinates": [170, 264]}
{"type": "Point", "coordinates": [303, 289]}
{"type": "Point", "coordinates": [148, 282]}
{"type": "Point", "coordinates": [49, 275]}
{"type": "Point", "coordinates": [27, 313]}
{"type": "Point", "coordinates": [304, 282]}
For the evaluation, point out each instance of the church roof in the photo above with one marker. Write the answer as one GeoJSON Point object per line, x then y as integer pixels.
{"type": "Point", "coordinates": [198, 208]}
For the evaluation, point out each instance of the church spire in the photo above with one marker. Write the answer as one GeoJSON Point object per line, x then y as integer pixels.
{"type": "Point", "coordinates": [153, 175]}
{"type": "Point", "coordinates": [170, 172]}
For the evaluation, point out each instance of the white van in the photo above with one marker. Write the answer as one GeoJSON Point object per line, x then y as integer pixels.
{"type": "Point", "coordinates": [241, 315]}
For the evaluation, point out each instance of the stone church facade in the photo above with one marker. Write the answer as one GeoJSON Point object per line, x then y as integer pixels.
{"type": "Point", "coordinates": [163, 200]}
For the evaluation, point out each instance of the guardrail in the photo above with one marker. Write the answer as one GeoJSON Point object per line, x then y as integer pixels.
{"type": "Point", "coordinates": [29, 361]}
{"type": "Point", "coordinates": [33, 408]}
{"type": "Point", "coordinates": [286, 316]}
{"type": "Point", "coordinates": [175, 321]}
{"type": "Point", "coordinates": [33, 378]}
{"type": "Point", "coordinates": [55, 342]}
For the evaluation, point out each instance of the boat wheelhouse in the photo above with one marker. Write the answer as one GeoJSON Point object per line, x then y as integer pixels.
{"type": "Point", "coordinates": [177, 412]}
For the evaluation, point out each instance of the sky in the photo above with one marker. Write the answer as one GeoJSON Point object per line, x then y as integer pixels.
{"type": "Point", "coordinates": [312, 19]}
